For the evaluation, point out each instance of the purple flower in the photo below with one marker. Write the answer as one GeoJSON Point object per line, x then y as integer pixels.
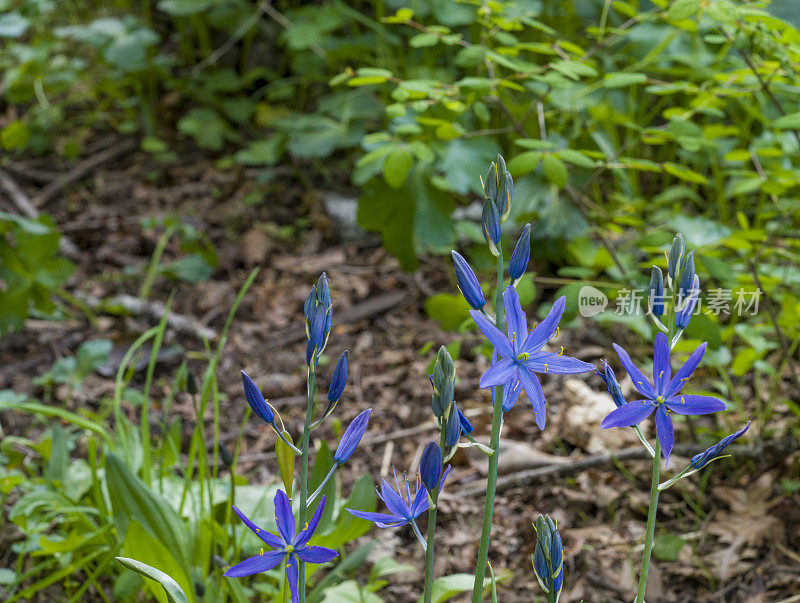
{"type": "Point", "coordinates": [701, 460]}
{"type": "Point", "coordinates": [352, 436]}
{"type": "Point", "coordinates": [523, 356]}
{"type": "Point", "coordinates": [663, 395]}
{"type": "Point", "coordinates": [286, 544]}
{"type": "Point", "coordinates": [614, 389]}
{"type": "Point", "coordinates": [401, 509]}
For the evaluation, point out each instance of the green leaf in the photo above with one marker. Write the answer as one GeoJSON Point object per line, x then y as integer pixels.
{"type": "Point", "coordinates": [396, 167]}
{"type": "Point", "coordinates": [422, 40]}
{"type": "Point", "coordinates": [790, 121]}
{"type": "Point", "coordinates": [131, 501]}
{"type": "Point", "coordinates": [555, 170]}
{"type": "Point", "coordinates": [207, 128]}
{"type": "Point", "coordinates": [526, 162]}
{"type": "Point", "coordinates": [383, 210]}
{"type": "Point", "coordinates": [348, 527]}
{"type": "Point", "coordinates": [15, 136]}
{"type": "Point", "coordinates": [172, 589]}
{"type": "Point", "coordinates": [667, 547]}
{"type": "Point", "coordinates": [262, 152]}
{"type": "Point", "coordinates": [285, 462]}
{"type": "Point", "coordinates": [447, 587]}
{"type": "Point", "coordinates": [448, 309]}
{"type": "Point", "coordinates": [683, 9]}
{"type": "Point", "coordinates": [623, 79]}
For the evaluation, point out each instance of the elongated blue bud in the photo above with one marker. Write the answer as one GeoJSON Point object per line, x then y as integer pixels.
{"type": "Point", "coordinates": [309, 306]}
{"type": "Point", "coordinates": [701, 460]}
{"type": "Point", "coordinates": [684, 314]}
{"type": "Point", "coordinates": [324, 298]}
{"type": "Point", "coordinates": [548, 555]}
{"type": "Point", "coordinates": [256, 400]}
{"type": "Point", "coordinates": [675, 256]}
{"type": "Point", "coordinates": [687, 275]}
{"type": "Point", "coordinates": [352, 436]}
{"type": "Point", "coordinates": [430, 466]}
{"type": "Point", "coordinates": [443, 382]}
{"type": "Point", "coordinates": [656, 298]}
{"type": "Point", "coordinates": [467, 282]}
{"type": "Point", "coordinates": [501, 168]}
{"type": "Point", "coordinates": [490, 183]}
{"type": "Point", "coordinates": [614, 389]}
{"type": "Point", "coordinates": [316, 335]}
{"type": "Point", "coordinates": [491, 225]}
{"type": "Point", "coordinates": [521, 255]}
{"type": "Point", "coordinates": [339, 379]}
{"type": "Point", "coordinates": [452, 430]}
{"type": "Point", "coordinates": [505, 196]}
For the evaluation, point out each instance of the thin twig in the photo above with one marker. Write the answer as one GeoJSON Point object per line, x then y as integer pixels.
{"type": "Point", "coordinates": [528, 476]}
{"type": "Point", "coordinates": [21, 201]}
{"type": "Point", "coordinates": [246, 25]}
{"type": "Point", "coordinates": [82, 169]}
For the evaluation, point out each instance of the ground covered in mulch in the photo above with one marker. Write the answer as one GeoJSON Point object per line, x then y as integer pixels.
{"type": "Point", "coordinates": [741, 529]}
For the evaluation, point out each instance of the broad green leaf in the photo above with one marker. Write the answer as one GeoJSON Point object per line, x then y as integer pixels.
{"type": "Point", "coordinates": [131, 501]}
{"type": "Point", "coordinates": [790, 121]}
{"type": "Point", "coordinates": [285, 463]}
{"type": "Point", "coordinates": [172, 589]}
{"type": "Point", "coordinates": [448, 309]}
{"type": "Point", "coordinates": [555, 170]}
{"type": "Point", "coordinates": [348, 527]}
{"type": "Point", "coordinates": [396, 167]}
{"type": "Point", "coordinates": [667, 547]}
{"type": "Point", "coordinates": [422, 40]}
{"type": "Point", "coordinates": [623, 79]}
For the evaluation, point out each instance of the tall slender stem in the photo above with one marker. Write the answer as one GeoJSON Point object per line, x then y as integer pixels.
{"type": "Point", "coordinates": [651, 524]}
{"type": "Point", "coordinates": [430, 544]}
{"type": "Point", "coordinates": [494, 444]}
{"type": "Point", "coordinates": [301, 587]}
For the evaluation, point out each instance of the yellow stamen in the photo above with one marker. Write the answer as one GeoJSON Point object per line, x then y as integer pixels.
{"type": "Point", "coordinates": [683, 400]}
{"type": "Point", "coordinates": [261, 552]}
{"type": "Point", "coordinates": [661, 374]}
{"type": "Point", "coordinates": [561, 352]}
{"type": "Point", "coordinates": [685, 379]}
{"type": "Point", "coordinates": [558, 330]}
{"type": "Point", "coordinates": [513, 336]}
{"type": "Point", "coordinates": [305, 528]}
{"type": "Point", "coordinates": [545, 367]}
{"type": "Point", "coordinates": [258, 530]}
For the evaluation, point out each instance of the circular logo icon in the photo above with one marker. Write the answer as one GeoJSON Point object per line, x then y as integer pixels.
{"type": "Point", "coordinates": [591, 301]}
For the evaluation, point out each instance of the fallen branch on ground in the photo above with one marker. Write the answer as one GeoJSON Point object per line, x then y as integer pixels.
{"type": "Point", "coordinates": [528, 476]}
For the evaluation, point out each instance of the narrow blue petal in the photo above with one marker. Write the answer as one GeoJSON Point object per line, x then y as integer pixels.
{"type": "Point", "coordinates": [316, 554]}
{"type": "Point", "coordinates": [640, 382]}
{"type": "Point", "coordinates": [682, 374]}
{"type": "Point", "coordinates": [545, 329]}
{"type": "Point", "coordinates": [535, 394]}
{"type": "Point", "coordinates": [511, 392]}
{"type": "Point", "coordinates": [467, 282]}
{"type": "Point", "coordinates": [306, 534]}
{"type": "Point", "coordinates": [284, 516]}
{"type": "Point", "coordinates": [492, 333]}
{"type": "Point", "coordinates": [393, 501]}
{"type": "Point", "coordinates": [293, 577]}
{"type": "Point", "coordinates": [629, 414]}
{"type": "Point", "coordinates": [500, 373]}
{"type": "Point", "coordinates": [256, 400]}
{"type": "Point", "coordinates": [516, 321]}
{"type": "Point", "coordinates": [691, 404]}
{"type": "Point", "coordinates": [385, 518]}
{"type": "Point", "coordinates": [661, 364]}
{"type": "Point", "coordinates": [257, 564]}
{"type": "Point", "coordinates": [267, 537]}
{"type": "Point", "coordinates": [420, 503]}
{"type": "Point", "coordinates": [545, 362]}
{"type": "Point", "coordinates": [666, 436]}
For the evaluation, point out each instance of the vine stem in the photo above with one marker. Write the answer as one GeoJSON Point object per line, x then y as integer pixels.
{"type": "Point", "coordinates": [494, 444]}
{"type": "Point", "coordinates": [301, 586]}
{"type": "Point", "coordinates": [651, 524]}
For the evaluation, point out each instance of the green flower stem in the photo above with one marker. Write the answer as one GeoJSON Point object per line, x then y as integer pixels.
{"type": "Point", "coordinates": [301, 586]}
{"type": "Point", "coordinates": [651, 524]}
{"type": "Point", "coordinates": [430, 543]}
{"type": "Point", "coordinates": [494, 444]}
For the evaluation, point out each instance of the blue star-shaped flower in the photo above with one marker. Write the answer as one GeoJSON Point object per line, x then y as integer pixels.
{"type": "Point", "coordinates": [402, 510]}
{"type": "Point", "coordinates": [523, 356]}
{"type": "Point", "coordinates": [287, 545]}
{"type": "Point", "coordinates": [663, 395]}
